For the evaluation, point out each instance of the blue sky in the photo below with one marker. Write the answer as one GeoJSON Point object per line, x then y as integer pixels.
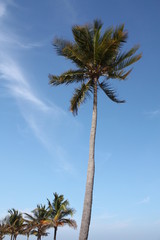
{"type": "Point", "coordinates": [44, 149]}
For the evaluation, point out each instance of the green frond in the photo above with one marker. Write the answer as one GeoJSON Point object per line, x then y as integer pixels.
{"type": "Point", "coordinates": [97, 25]}
{"type": "Point", "coordinates": [83, 41]}
{"type": "Point", "coordinates": [122, 56]}
{"type": "Point", "coordinates": [105, 39]}
{"type": "Point", "coordinates": [127, 62]}
{"type": "Point", "coordinates": [77, 56]}
{"type": "Point", "coordinates": [69, 51]}
{"type": "Point", "coordinates": [110, 92]}
{"type": "Point", "coordinates": [67, 212]}
{"type": "Point", "coordinates": [69, 222]}
{"type": "Point", "coordinates": [112, 45]}
{"type": "Point", "coordinates": [121, 75]}
{"type": "Point", "coordinates": [68, 77]}
{"type": "Point", "coordinates": [59, 44]}
{"type": "Point", "coordinates": [119, 34]}
{"type": "Point", "coordinates": [96, 39]}
{"type": "Point", "coordinates": [80, 96]}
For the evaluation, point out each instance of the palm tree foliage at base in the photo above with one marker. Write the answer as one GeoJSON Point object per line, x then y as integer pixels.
{"type": "Point", "coordinates": [39, 221]}
{"type": "Point", "coordinates": [59, 211]}
{"type": "Point", "coordinates": [14, 223]}
{"type": "Point", "coordinates": [35, 223]}
{"type": "Point", "coordinates": [98, 57]}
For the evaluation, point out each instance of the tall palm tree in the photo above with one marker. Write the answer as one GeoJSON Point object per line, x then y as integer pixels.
{"type": "Point", "coordinates": [98, 57]}
{"type": "Point", "coordinates": [14, 223]}
{"type": "Point", "coordinates": [36, 222]}
{"type": "Point", "coordinates": [59, 210]}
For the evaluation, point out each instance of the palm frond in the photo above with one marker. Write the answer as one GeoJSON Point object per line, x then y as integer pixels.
{"type": "Point", "coordinates": [68, 77]}
{"type": "Point", "coordinates": [69, 222]}
{"type": "Point", "coordinates": [119, 34]}
{"type": "Point", "coordinates": [128, 61]}
{"type": "Point", "coordinates": [122, 56]}
{"type": "Point", "coordinates": [105, 40]}
{"type": "Point", "coordinates": [83, 39]}
{"type": "Point", "coordinates": [77, 56]}
{"type": "Point", "coordinates": [113, 45]}
{"type": "Point", "coordinates": [70, 51]}
{"type": "Point", "coordinates": [121, 75]}
{"type": "Point", "coordinates": [97, 24]}
{"type": "Point", "coordinates": [110, 92]}
{"type": "Point", "coordinates": [59, 44]}
{"type": "Point", "coordinates": [67, 212]}
{"type": "Point", "coordinates": [96, 39]}
{"type": "Point", "coordinates": [80, 96]}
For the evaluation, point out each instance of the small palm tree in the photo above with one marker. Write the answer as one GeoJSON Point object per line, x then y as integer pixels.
{"type": "Point", "coordinates": [14, 223]}
{"type": "Point", "coordinates": [36, 221]}
{"type": "Point", "coordinates": [58, 213]}
{"type": "Point", "coordinates": [98, 57]}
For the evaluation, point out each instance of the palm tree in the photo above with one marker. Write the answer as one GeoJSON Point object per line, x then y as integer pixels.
{"type": "Point", "coordinates": [35, 222]}
{"type": "Point", "coordinates": [14, 223]}
{"type": "Point", "coordinates": [98, 57]}
{"type": "Point", "coordinates": [59, 211]}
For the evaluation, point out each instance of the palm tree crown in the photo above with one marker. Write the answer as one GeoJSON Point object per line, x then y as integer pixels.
{"type": "Point", "coordinates": [96, 55]}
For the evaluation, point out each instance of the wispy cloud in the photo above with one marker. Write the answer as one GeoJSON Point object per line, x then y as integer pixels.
{"type": "Point", "coordinates": [36, 111]}
{"type": "Point", "coordinates": [16, 83]}
{"type": "Point", "coordinates": [2, 9]}
{"type": "Point", "coordinates": [144, 200]}
{"type": "Point", "coordinates": [9, 37]}
{"type": "Point", "coordinates": [4, 4]}
{"type": "Point", "coordinates": [153, 114]}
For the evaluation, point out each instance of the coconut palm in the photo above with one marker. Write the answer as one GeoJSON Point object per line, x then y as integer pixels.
{"type": "Point", "coordinates": [59, 211]}
{"type": "Point", "coordinates": [14, 223]}
{"type": "Point", "coordinates": [35, 222]}
{"type": "Point", "coordinates": [98, 57]}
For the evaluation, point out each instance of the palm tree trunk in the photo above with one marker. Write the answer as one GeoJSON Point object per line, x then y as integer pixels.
{"type": "Point", "coordinates": [55, 232]}
{"type": "Point", "coordinates": [87, 207]}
